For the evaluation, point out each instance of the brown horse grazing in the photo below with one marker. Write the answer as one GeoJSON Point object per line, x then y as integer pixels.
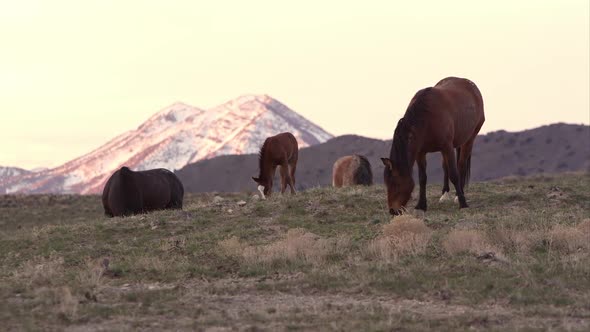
{"type": "Point", "coordinates": [441, 118]}
{"type": "Point", "coordinates": [352, 170]}
{"type": "Point", "coordinates": [128, 192]}
{"type": "Point", "coordinates": [280, 150]}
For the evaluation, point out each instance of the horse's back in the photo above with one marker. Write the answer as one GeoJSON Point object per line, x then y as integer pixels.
{"type": "Point", "coordinates": [176, 188]}
{"type": "Point", "coordinates": [161, 189]}
{"type": "Point", "coordinates": [351, 170]}
{"type": "Point", "coordinates": [461, 99]}
{"type": "Point", "coordinates": [341, 171]}
{"type": "Point", "coordinates": [288, 140]}
{"type": "Point", "coordinates": [463, 92]}
{"type": "Point", "coordinates": [284, 143]}
{"type": "Point", "coordinates": [121, 195]}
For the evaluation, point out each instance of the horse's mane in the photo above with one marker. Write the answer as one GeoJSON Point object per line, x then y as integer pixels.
{"type": "Point", "coordinates": [261, 154]}
{"type": "Point", "coordinates": [413, 117]}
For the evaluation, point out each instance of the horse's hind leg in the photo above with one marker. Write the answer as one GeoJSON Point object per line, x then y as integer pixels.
{"type": "Point", "coordinates": [292, 169]}
{"type": "Point", "coordinates": [174, 204]}
{"type": "Point", "coordinates": [284, 177]}
{"type": "Point", "coordinates": [449, 155]}
{"type": "Point", "coordinates": [445, 190]}
{"type": "Point", "coordinates": [108, 213]}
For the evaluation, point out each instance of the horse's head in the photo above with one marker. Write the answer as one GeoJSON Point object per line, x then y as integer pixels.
{"type": "Point", "coordinates": [264, 186]}
{"type": "Point", "coordinates": [399, 187]}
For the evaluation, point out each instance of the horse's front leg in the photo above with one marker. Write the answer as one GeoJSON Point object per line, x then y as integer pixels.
{"type": "Point", "coordinates": [292, 168]}
{"type": "Point", "coordinates": [422, 179]}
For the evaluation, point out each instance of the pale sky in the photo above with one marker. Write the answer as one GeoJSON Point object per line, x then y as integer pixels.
{"type": "Point", "coordinates": [74, 74]}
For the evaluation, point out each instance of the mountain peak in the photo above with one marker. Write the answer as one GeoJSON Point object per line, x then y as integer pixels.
{"type": "Point", "coordinates": [176, 112]}
{"type": "Point", "coordinates": [253, 96]}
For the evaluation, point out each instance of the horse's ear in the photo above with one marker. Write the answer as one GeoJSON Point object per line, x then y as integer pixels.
{"type": "Point", "coordinates": [387, 163]}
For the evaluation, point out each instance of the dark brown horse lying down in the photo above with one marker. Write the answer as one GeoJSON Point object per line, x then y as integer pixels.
{"type": "Point", "coordinates": [352, 170]}
{"type": "Point", "coordinates": [442, 118]}
{"type": "Point", "coordinates": [128, 192]}
{"type": "Point", "coordinates": [280, 150]}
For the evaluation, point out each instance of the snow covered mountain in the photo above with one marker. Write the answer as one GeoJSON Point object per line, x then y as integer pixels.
{"type": "Point", "coordinates": [175, 136]}
{"type": "Point", "coordinates": [9, 172]}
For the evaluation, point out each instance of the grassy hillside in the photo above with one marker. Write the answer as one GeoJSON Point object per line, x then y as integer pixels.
{"type": "Point", "coordinates": [324, 259]}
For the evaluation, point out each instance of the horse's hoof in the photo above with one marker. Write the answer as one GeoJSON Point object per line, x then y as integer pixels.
{"type": "Point", "coordinates": [445, 197]}
{"type": "Point", "coordinates": [261, 190]}
{"type": "Point", "coordinates": [456, 199]}
{"type": "Point", "coordinates": [462, 203]}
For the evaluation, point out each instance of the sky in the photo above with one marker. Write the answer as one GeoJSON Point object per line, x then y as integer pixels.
{"type": "Point", "coordinates": [74, 74]}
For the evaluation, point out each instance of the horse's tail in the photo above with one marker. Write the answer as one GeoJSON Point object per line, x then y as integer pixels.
{"type": "Point", "coordinates": [467, 171]}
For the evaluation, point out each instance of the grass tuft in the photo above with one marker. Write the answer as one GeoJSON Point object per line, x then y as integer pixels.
{"type": "Point", "coordinates": [402, 236]}
{"type": "Point", "coordinates": [460, 241]}
{"type": "Point", "coordinates": [297, 246]}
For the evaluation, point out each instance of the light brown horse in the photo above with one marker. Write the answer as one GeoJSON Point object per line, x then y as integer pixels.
{"type": "Point", "coordinates": [441, 118]}
{"type": "Point", "coordinates": [280, 150]}
{"type": "Point", "coordinates": [352, 170]}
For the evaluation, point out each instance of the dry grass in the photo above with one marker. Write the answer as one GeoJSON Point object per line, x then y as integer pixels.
{"type": "Point", "coordinates": [173, 244]}
{"type": "Point", "coordinates": [559, 239]}
{"type": "Point", "coordinates": [91, 276]}
{"type": "Point", "coordinates": [568, 239]}
{"type": "Point", "coordinates": [157, 264]}
{"type": "Point", "coordinates": [68, 304]}
{"type": "Point", "coordinates": [460, 241]}
{"type": "Point", "coordinates": [231, 247]}
{"type": "Point", "coordinates": [298, 245]}
{"type": "Point", "coordinates": [40, 271]}
{"type": "Point", "coordinates": [403, 236]}
{"type": "Point", "coordinates": [519, 242]}
{"type": "Point", "coordinates": [584, 227]}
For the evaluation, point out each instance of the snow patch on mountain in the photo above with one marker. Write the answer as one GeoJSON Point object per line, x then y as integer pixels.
{"type": "Point", "coordinates": [10, 172]}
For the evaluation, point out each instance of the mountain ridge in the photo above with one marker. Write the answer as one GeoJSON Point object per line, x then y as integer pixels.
{"type": "Point", "coordinates": [547, 149]}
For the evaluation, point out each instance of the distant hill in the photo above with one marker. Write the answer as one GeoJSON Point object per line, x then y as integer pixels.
{"type": "Point", "coordinates": [171, 138]}
{"type": "Point", "coordinates": [549, 149]}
